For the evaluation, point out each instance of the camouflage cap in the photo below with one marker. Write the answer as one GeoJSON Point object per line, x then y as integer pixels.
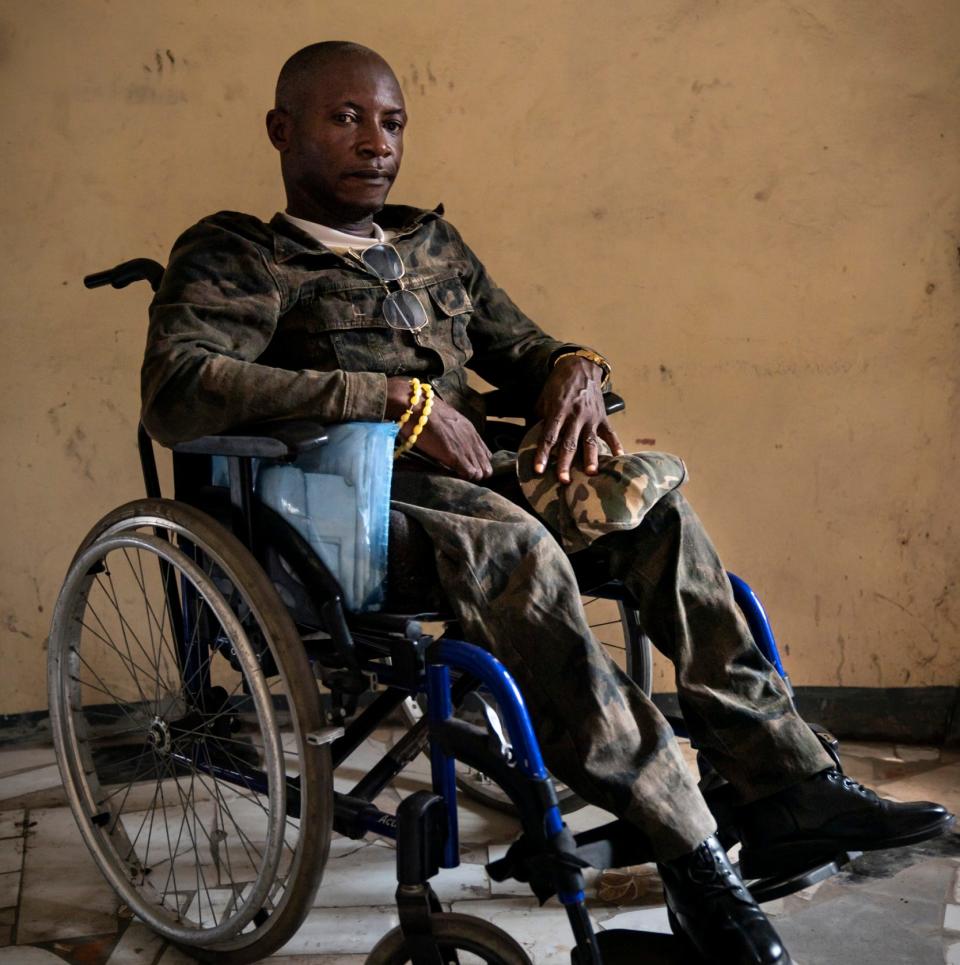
{"type": "Point", "coordinates": [622, 492]}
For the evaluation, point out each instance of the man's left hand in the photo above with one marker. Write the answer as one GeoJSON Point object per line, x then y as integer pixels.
{"type": "Point", "coordinates": [574, 415]}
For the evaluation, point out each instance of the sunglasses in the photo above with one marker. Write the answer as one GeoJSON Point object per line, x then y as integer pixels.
{"type": "Point", "coordinates": [401, 308]}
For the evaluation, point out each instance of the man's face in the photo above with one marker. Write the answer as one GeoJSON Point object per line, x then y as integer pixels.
{"type": "Point", "coordinates": [342, 143]}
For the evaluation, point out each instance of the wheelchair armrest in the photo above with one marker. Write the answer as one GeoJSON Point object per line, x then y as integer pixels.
{"type": "Point", "coordinates": [504, 405]}
{"type": "Point", "coordinates": [283, 440]}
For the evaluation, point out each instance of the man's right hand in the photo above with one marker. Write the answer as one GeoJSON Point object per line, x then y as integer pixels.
{"type": "Point", "coordinates": [448, 437]}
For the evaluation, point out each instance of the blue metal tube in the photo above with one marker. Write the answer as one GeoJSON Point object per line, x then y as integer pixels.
{"type": "Point", "coordinates": [757, 621]}
{"type": "Point", "coordinates": [443, 766]}
{"type": "Point", "coordinates": [486, 668]}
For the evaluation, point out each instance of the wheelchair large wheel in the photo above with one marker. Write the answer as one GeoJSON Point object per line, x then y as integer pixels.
{"type": "Point", "coordinates": [462, 939]}
{"type": "Point", "coordinates": [180, 702]}
{"type": "Point", "coordinates": [617, 627]}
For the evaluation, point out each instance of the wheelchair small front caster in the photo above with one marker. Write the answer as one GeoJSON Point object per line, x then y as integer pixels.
{"type": "Point", "coordinates": [453, 933]}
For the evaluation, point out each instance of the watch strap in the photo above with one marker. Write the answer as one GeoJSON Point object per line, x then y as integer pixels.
{"type": "Point", "coordinates": [591, 356]}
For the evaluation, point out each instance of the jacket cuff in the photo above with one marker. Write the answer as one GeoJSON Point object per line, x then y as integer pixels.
{"type": "Point", "coordinates": [365, 398]}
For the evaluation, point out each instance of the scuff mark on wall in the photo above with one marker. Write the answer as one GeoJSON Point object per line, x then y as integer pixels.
{"type": "Point", "coordinates": [159, 59]}
{"type": "Point", "coordinates": [7, 33]}
{"type": "Point", "coordinates": [809, 22]}
{"type": "Point", "coordinates": [842, 646]}
{"type": "Point", "coordinates": [912, 615]}
{"type": "Point", "coordinates": [115, 410]}
{"type": "Point", "coordinates": [415, 79]}
{"type": "Point", "coordinates": [10, 622]}
{"type": "Point", "coordinates": [36, 590]}
{"type": "Point", "coordinates": [72, 448]}
{"type": "Point", "coordinates": [145, 94]}
{"type": "Point", "coordinates": [698, 85]}
{"type": "Point", "coordinates": [53, 417]}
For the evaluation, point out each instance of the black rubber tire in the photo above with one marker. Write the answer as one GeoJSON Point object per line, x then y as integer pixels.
{"type": "Point", "coordinates": [241, 584]}
{"type": "Point", "coordinates": [455, 932]}
{"type": "Point", "coordinates": [639, 650]}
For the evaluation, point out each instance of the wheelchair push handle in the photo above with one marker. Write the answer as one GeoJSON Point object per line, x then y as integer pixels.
{"type": "Point", "coordinates": [126, 273]}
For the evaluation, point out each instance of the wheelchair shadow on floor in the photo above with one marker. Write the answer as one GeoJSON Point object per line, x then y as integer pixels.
{"type": "Point", "coordinates": [622, 946]}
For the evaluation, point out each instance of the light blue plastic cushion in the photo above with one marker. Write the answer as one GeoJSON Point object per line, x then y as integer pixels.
{"type": "Point", "coordinates": [338, 498]}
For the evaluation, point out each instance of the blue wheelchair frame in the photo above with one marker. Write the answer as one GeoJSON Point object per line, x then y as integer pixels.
{"type": "Point", "coordinates": [426, 825]}
{"type": "Point", "coordinates": [408, 662]}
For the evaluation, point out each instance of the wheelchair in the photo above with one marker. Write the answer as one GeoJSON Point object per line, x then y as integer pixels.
{"type": "Point", "coordinates": [198, 718]}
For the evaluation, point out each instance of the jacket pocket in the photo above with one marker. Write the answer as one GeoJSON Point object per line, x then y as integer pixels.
{"type": "Point", "coordinates": [329, 308]}
{"type": "Point", "coordinates": [450, 296]}
{"type": "Point", "coordinates": [451, 310]}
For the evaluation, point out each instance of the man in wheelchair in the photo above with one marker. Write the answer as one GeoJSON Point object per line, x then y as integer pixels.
{"type": "Point", "coordinates": [328, 312]}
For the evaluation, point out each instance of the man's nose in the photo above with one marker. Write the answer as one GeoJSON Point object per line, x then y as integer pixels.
{"type": "Point", "coordinates": [375, 142]}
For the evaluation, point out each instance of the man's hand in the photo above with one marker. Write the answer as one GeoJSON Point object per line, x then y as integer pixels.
{"type": "Point", "coordinates": [448, 437]}
{"type": "Point", "coordinates": [571, 405]}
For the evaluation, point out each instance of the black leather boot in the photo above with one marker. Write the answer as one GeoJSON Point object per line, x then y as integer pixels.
{"type": "Point", "coordinates": [826, 815]}
{"type": "Point", "coordinates": [711, 909]}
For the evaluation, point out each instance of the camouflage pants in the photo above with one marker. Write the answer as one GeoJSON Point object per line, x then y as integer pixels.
{"type": "Point", "coordinates": [514, 591]}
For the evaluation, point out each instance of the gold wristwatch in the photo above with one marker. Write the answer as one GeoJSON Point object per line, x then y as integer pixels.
{"type": "Point", "coordinates": [595, 357]}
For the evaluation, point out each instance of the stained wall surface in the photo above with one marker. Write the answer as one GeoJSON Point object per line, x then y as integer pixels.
{"type": "Point", "coordinates": [751, 207]}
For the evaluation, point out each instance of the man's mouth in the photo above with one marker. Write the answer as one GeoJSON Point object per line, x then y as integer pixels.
{"type": "Point", "coordinates": [369, 174]}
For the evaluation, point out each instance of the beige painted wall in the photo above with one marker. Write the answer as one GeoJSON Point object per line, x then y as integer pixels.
{"type": "Point", "coordinates": [752, 207]}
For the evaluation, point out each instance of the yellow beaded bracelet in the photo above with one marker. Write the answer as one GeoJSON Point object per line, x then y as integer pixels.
{"type": "Point", "coordinates": [411, 440]}
{"type": "Point", "coordinates": [415, 395]}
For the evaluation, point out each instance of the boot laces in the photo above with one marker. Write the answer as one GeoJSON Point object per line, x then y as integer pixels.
{"type": "Point", "coordinates": [849, 784]}
{"type": "Point", "coordinates": [714, 875]}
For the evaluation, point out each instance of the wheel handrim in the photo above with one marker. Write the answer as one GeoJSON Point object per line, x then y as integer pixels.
{"type": "Point", "coordinates": [213, 914]}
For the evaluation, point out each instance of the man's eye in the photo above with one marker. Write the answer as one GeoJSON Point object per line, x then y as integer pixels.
{"type": "Point", "coordinates": [345, 118]}
{"type": "Point", "coordinates": [394, 127]}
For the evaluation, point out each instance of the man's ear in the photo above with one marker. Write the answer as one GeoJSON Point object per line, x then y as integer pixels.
{"type": "Point", "coordinates": [279, 128]}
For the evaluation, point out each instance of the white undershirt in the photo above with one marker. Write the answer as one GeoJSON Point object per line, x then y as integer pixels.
{"type": "Point", "coordinates": [339, 241]}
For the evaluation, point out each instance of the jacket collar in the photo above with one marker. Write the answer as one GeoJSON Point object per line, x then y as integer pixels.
{"type": "Point", "coordinates": [290, 242]}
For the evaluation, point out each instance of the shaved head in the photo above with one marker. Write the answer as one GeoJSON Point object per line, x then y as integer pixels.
{"type": "Point", "coordinates": [299, 75]}
{"type": "Point", "coordinates": [338, 125]}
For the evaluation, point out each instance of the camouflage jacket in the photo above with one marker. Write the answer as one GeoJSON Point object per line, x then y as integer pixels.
{"type": "Point", "coordinates": [258, 321]}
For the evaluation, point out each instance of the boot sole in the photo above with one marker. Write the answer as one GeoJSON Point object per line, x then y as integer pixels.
{"type": "Point", "coordinates": [694, 955]}
{"type": "Point", "coordinates": [787, 858]}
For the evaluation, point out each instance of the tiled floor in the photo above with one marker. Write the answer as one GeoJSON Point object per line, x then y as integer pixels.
{"type": "Point", "coordinates": [890, 908]}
